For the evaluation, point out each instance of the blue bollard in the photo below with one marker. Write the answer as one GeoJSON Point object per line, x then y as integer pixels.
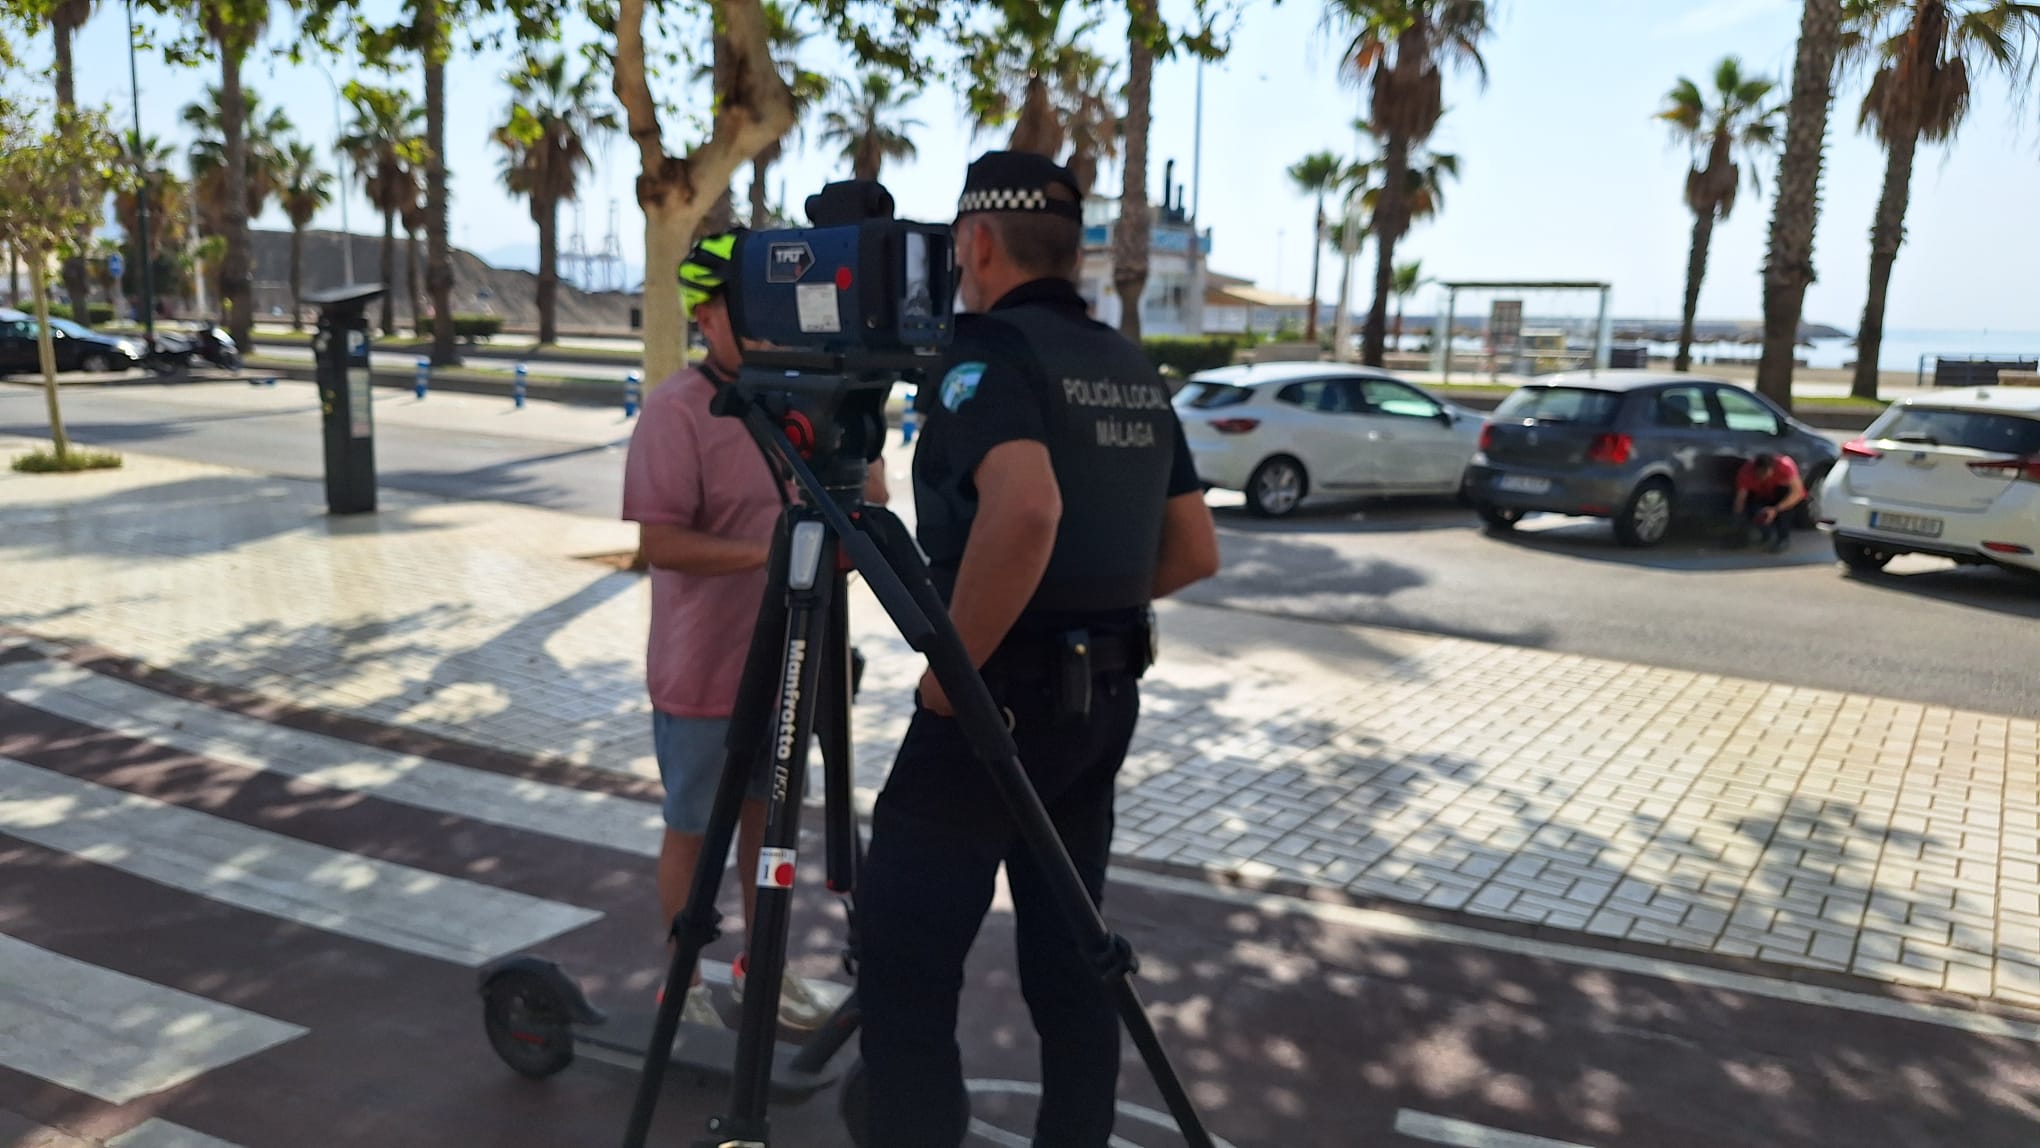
{"type": "Point", "coordinates": [424, 379]}
{"type": "Point", "coordinates": [909, 421]}
{"type": "Point", "coordinates": [517, 388]}
{"type": "Point", "coordinates": [633, 385]}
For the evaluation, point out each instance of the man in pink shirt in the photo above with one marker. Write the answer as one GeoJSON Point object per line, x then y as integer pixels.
{"type": "Point", "coordinates": [706, 502]}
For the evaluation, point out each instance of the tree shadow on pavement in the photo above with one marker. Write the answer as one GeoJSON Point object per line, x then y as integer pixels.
{"type": "Point", "coordinates": [519, 480]}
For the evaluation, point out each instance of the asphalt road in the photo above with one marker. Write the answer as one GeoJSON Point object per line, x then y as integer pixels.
{"type": "Point", "coordinates": [402, 359]}
{"type": "Point", "coordinates": [1928, 632]}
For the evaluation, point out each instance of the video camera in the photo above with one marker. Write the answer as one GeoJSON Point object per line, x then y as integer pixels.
{"type": "Point", "coordinates": [849, 307]}
{"type": "Point", "coordinates": [876, 290]}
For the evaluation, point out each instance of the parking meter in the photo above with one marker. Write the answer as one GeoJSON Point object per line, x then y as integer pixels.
{"type": "Point", "coordinates": [340, 352]}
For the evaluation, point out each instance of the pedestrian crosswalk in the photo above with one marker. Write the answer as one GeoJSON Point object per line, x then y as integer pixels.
{"type": "Point", "coordinates": [204, 825]}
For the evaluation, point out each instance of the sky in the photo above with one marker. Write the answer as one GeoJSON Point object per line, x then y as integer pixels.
{"type": "Point", "coordinates": [1564, 172]}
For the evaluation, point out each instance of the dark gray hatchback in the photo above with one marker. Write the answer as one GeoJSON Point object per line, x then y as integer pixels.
{"type": "Point", "coordinates": [1637, 447]}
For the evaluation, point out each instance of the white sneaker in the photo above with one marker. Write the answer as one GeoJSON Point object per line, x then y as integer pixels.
{"type": "Point", "coordinates": [700, 1009]}
{"type": "Point", "coordinates": [803, 1004]}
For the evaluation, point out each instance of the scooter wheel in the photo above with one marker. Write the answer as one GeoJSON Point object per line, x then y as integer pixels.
{"type": "Point", "coordinates": [852, 1102]}
{"type": "Point", "coordinates": [528, 1023]}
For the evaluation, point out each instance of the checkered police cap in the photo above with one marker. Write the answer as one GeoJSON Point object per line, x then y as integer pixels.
{"type": "Point", "coordinates": [1018, 182]}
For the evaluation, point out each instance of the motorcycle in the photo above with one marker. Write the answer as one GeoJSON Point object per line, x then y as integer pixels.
{"type": "Point", "coordinates": [173, 354]}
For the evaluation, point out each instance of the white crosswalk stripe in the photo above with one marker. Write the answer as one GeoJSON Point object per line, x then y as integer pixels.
{"type": "Point", "coordinates": [361, 897]}
{"type": "Point", "coordinates": [234, 739]}
{"type": "Point", "coordinates": [113, 1036]}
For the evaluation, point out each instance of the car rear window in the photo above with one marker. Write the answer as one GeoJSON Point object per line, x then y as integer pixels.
{"type": "Point", "coordinates": [1561, 405]}
{"type": "Point", "coordinates": [1976, 430]}
{"type": "Point", "coordinates": [1209, 396]}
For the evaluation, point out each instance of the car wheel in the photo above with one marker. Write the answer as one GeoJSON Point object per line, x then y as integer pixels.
{"type": "Point", "coordinates": [1862, 559]}
{"type": "Point", "coordinates": [1647, 517]}
{"type": "Point", "coordinates": [1806, 516]}
{"type": "Point", "coordinates": [95, 363]}
{"type": "Point", "coordinates": [1500, 519]}
{"type": "Point", "coordinates": [1277, 487]}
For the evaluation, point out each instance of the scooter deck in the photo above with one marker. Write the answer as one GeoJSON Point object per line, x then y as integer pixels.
{"type": "Point", "coordinates": [705, 1052]}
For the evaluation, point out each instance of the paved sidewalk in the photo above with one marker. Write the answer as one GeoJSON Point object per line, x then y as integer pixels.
{"type": "Point", "coordinates": [1803, 828]}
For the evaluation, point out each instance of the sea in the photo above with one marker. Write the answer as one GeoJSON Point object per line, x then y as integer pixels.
{"type": "Point", "coordinates": [1904, 349]}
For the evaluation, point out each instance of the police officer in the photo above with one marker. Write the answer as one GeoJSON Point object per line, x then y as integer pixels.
{"type": "Point", "coordinates": [1056, 499]}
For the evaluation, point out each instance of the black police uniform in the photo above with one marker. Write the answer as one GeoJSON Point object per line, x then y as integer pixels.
{"type": "Point", "coordinates": [1035, 367]}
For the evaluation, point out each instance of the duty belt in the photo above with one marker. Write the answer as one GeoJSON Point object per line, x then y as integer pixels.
{"type": "Point", "coordinates": [1068, 661]}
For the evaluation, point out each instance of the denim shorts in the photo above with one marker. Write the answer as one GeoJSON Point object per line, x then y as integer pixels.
{"type": "Point", "coordinates": [690, 752]}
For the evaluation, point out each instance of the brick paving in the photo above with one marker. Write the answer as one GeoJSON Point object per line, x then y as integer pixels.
{"type": "Point", "coordinates": [1804, 828]}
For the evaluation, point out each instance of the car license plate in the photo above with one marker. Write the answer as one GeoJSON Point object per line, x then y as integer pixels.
{"type": "Point", "coordinates": [1523, 484]}
{"type": "Point", "coordinates": [1918, 524]}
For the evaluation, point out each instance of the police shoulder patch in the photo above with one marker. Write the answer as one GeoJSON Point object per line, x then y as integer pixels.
{"type": "Point", "coordinates": [961, 383]}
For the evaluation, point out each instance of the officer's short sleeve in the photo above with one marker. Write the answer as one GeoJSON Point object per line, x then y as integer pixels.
{"type": "Point", "coordinates": [1182, 469]}
{"type": "Point", "coordinates": [989, 399]}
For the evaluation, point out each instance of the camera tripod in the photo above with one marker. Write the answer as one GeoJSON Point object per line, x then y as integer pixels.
{"type": "Point", "coordinates": [798, 661]}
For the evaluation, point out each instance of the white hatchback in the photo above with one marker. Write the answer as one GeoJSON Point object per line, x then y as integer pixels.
{"type": "Point", "coordinates": [1953, 473]}
{"type": "Point", "coordinates": [1281, 432]}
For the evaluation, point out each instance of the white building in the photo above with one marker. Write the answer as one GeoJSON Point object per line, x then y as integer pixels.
{"type": "Point", "coordinates": [1234, 306]}
{"type": "Point", "coordinates": [1174, 302]}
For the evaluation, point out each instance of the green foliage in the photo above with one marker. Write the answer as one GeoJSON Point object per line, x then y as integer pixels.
{"type": "Point", "coordinates": [469, 327]}
{"type": "Point", "coordinates": [99, 314]}
{"type": "Point", "coordinates": [42, 460]}
{"type": "Point", "coordinates": [1186, 355]}
{"type": "Point", "coordinates": [36, 166]}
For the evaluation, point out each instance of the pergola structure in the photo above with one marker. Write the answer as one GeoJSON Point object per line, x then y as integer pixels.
{"type": "Point", "coordinates": [1603, 325]}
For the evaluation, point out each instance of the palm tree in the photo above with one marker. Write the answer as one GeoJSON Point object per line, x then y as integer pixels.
{"type": "Point", "coordinates": [1134, 232]}
{"type": "Point", "coordinates": [1399, 49]}
{"type": "Point", "coordinates": [544, 140]}
{"type": "Point", "coordinates": [867, 125]}
{"type": "Point", "coordinates": [151, 157]}
{"type": "Point", "coordinates": [65, 18]}
{"type": "Point", "coordinates": [413, 218]}
{"type": "Point", "coordinates": [233, 26]}
{"type": "Point", "coordinates": [265, 133]}
{"type": "Point", "coordinates": [304, 187]}
{"type": "Point", "coordinates": [1789, 267]}
{"type": "Point", "coordinates": [1346, 236]}
{"type": "Point", "coordinates": [1055, 91]}
{"type": "Point", "coordinates": [1315, 175]}
{"type": "Point", "coordinates": [1920, 92]}
{"type": "Point", "coordinates": [1409, 279]}
{"type": "Point", "coordinates": [384, 147]}
{"type": "Point", "coordinates": [1741, 116]}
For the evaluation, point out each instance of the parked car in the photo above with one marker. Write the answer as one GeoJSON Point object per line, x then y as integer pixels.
{"type": "Point", "coordinates": [1282, 432]}
{"type": "Point", "coordinates": [1954, 473]}
{"type": "Point", "coordinates": [1640, 448]}
{"type": "Point", "coordinates": [77, 347]}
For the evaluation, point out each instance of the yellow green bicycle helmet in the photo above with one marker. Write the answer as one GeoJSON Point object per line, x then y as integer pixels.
{"type": "Point", "coordinates": [707, 269]}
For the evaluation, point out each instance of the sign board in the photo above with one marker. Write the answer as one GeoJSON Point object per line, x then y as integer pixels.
{"type": "Point", "coordinates": [115, 265]}
{"type": "Point", "coordinates": [1505, 327]}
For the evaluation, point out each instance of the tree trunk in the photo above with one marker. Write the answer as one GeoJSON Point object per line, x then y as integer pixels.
{"type": "Point", "coordinates": [236, 286]}
{"type": "Point", "coordinates": [77, 276]}
{"type": "Point", "coordinates": [389, 272]}
{"type": "Point", "coordinates": [1133, 236]}
{"type": "Point", "coordinates": [1317, 250]}
{"type": "Point", "coordinates": [1789, 268]}
{"type": "Point", "coordinates": [418, 311]}
{"type": "Point", "coordinates": [761, 211]}
{"type": "Point", "coordinates": [297, 258]}
{"type": "Point", "coordinates": [1886, 235]}
{"type": "Point", "coordinates": [757, 110]}
{"type": "Point", "coordinates": [1696, 270]}
{"type": "Point", "coordinates": [1342, 322]}
{"type": "Point", "coordinates": [1388, 219]}
{"type": "Point", "coordinates": [438, 252]}
{"type": "Point", "coordinates": [1399, 300]}
{"type": "Point", "coordinates": [46, 350]}
{"type": "Point", "coordinates": [548, 269]}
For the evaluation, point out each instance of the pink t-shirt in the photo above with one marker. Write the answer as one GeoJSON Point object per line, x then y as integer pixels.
{"type": "Point", "coordinates": [691, 469]}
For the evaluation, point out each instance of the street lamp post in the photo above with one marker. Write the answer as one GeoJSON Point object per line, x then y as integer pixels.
{"type": "Point", "coordinates": [146, 271]}
{"type": "Point", "coordinates": [346, 185]}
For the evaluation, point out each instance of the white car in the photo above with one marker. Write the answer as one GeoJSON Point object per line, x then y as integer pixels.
{"type": "Point", "coordinates": [1281, 432]}
{"type": "Point", "coordinates": [1953, 473]}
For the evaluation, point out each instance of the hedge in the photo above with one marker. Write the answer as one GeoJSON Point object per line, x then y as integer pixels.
{"type": "Point", "coordinates": [469, 327]}
{"type": "Point", "coordinates": [101, 313]}
{"type": "Point", "coordinates": [1187, 355]}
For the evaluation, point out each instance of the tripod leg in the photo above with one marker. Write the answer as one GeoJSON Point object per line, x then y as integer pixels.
{"type": "Point", "coordinates": [832, 725]}
{"type": "Point", "coordinates": [983, 725]}
{"type": "Point", "coordinates": [810, 584]}
{"type": "Point", "coordinates": [698, 923]}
